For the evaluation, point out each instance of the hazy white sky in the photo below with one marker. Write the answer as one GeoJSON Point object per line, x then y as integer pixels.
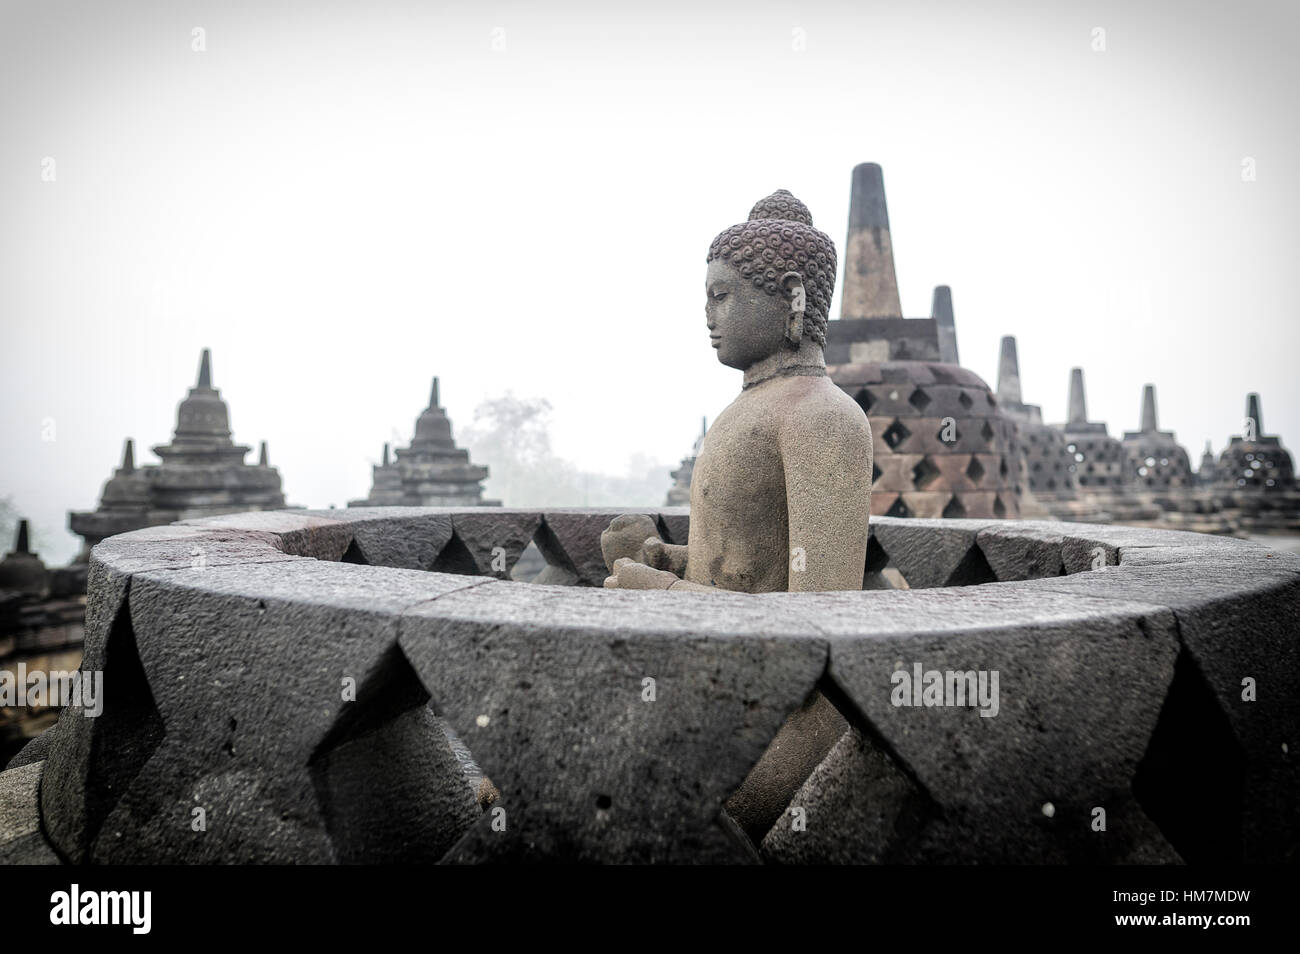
{"type": "Point", "coordinates": [343, 199]}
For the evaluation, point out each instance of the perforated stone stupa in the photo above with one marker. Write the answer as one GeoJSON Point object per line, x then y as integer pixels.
{"type": "Point", "coordinates": [943, 447]}
{"type": "Point", "coordinates": [1099, 458]}
{"type": "Point", "coordinates": [1255, 476]}
{"type": "Point", "coordinates": [1207, 473]}
{"type": "Point", "coordinates": [1154, 459]}
{"type": "Point", "coordinates": [1254, 460]}
{"type": "Point", "coordinates": [431, 472]}
{"type": "Point", "coordinates": [202, 474]}
{"type": "Point", "coordinates": [1049, 465]}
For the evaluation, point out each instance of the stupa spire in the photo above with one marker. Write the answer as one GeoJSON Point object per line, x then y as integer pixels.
{"type": "Point", "coordinates": [1009, 373]}
{"type": "Point", "coordinates": [1078, 403]}
{"type": "Point", "coordinates": [433, 396]}
{"type": "Point", "coordinates": [205, 370]}
{"type": "Point", "coordinates": [128, 457]}
{"type": "Point", "coordinates": [870, 283]}
{"type": "Point", "coordinates": [22, 544]}
{"type": "Point", "coordinates": [262, 460]}
{"type": "Point", "coordinates": [941, 312]}
{"type": "Point", "coordinates": [1253, 413]}
{"type": "Point", "coordinates": [1148, 408]}
{"type": "Point", "coordinates": [202, 432]}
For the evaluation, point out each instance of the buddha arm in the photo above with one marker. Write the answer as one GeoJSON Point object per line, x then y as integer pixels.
{"type": "Point", "coordinates": [826, 455]}
{"type": "Point", "coordinates": [690, 587]}
{"type": "Point", "coordinates": [630, 575]}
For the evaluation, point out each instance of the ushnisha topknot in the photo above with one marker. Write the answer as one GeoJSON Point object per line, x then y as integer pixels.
{"type": "Point", "coordinates": [781, 205]}
{"type": "Point", "coordinates": [779, 237]}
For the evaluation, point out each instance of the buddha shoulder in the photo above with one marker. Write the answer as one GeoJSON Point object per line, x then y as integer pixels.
{"type": "Point", "coordinates": [818, 402]}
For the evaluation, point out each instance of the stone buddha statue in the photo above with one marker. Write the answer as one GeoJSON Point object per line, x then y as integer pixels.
{"type": "Point", "coordinates": [780, 495]}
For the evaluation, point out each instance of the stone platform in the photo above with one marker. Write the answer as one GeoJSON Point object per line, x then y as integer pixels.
{"type": "Point", "coordinates": [331, 687]}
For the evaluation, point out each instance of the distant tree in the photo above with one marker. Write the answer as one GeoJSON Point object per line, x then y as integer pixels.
{"type": "Point", "coordinates": [511, 435]}
{"type": "Point", "coordinates": [8, 525]}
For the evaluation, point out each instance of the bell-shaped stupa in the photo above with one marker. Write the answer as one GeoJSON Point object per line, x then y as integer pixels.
{"type": "Point", "coordinates": [22, 571]}
{"type": "Point", "coordinates": [943, 447]}
{"type": "Point", "coordinates": [202, 474]}
{"type": "Point", "coordinates": [1098, 457]}
{"type": "Point", "coordinates": [431, 472]}
{"type": "Point", "coordinates": [1255, 477]}
{"type": "Point", "coordinates": [1050, 467]}
{"type": "Point", "coordinates": [1154, 460]}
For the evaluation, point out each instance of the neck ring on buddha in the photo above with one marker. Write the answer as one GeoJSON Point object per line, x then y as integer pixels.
{"type": "Point", "coordinates": [798, 370]}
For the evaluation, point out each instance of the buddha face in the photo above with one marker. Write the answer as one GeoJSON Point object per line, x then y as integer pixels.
{"type": "Point", "coordinates": [745, 323]}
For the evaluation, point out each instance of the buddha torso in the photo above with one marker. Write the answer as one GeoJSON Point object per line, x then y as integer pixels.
{"type": "Point", "coordinates": [740, 538]}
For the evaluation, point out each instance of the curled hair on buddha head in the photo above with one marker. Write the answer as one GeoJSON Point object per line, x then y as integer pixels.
{"type": "Point", "coordinates": [779, 237]}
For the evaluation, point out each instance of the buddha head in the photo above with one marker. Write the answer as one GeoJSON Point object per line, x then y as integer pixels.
{"type": "Point", "coordinates": [769, 283]}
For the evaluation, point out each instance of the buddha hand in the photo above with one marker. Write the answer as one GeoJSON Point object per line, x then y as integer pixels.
{"type": "Point", "coordinates": [664, 556]}
{"type": "Point", "coordinates": [630, 575]}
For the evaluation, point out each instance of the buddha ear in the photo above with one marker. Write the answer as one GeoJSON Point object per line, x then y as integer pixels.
{"type": "Point", "coordinates": [792, 284]}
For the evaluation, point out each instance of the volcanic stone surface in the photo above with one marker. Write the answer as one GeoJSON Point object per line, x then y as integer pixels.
{"type": "Point", "coordinates": [317, 709]}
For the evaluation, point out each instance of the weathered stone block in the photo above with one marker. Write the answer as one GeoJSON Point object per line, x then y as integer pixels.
{"type": "Point", "coordinates": [220, 684]}
{"type": "Point", "coordinates": [21, 841]}
{"type": "Point", "coordinates": [1080, 687]}
{"type": "Point", "coordinates": [589, 767]}
{"type": "Point", "coordinates": [1022, 552]}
